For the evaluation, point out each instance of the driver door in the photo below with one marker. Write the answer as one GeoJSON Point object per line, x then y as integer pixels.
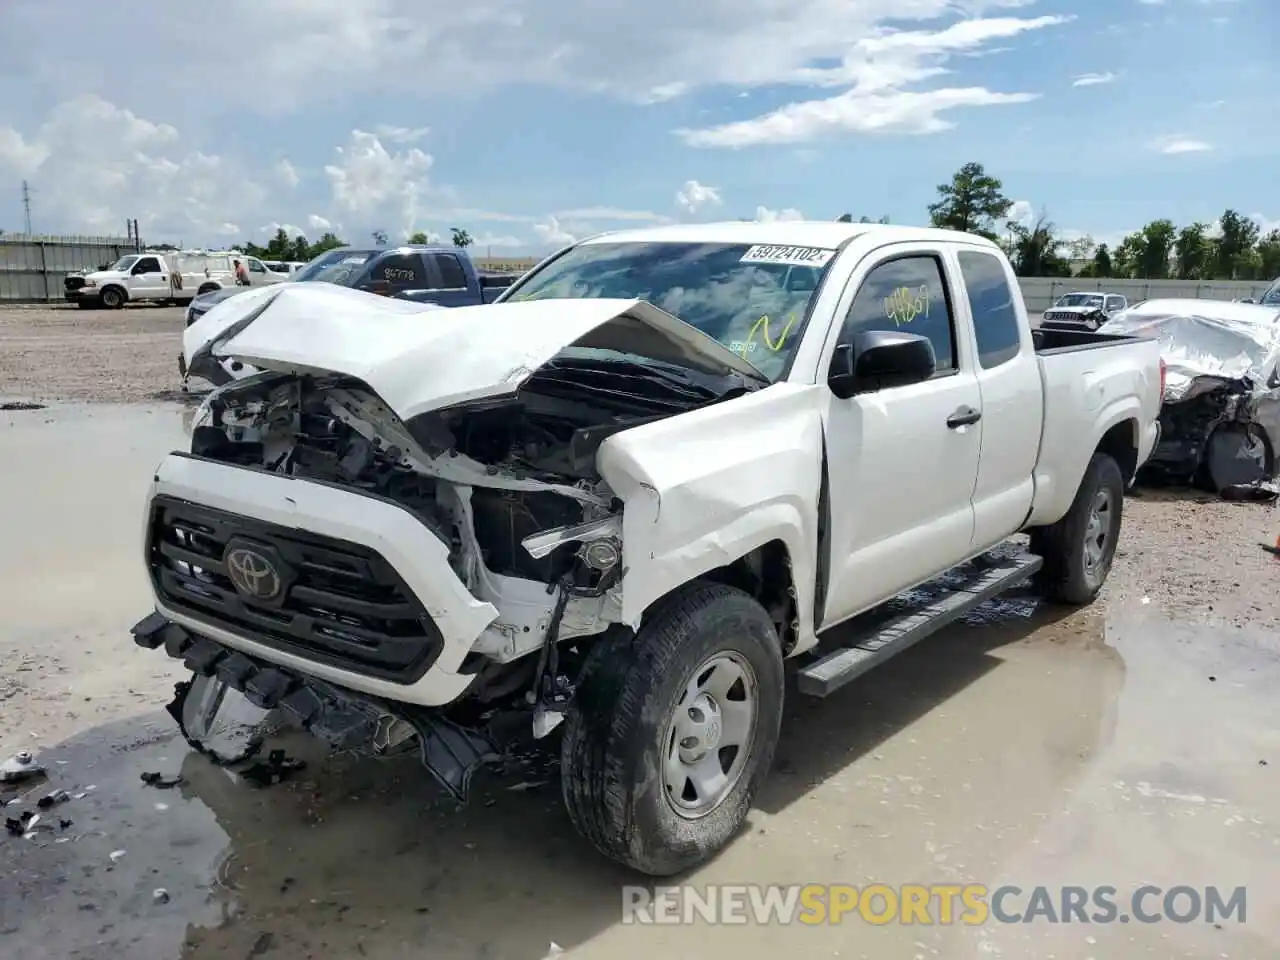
{"type": "Point", "coordinates": [149, 279]}
{"type": "Point", "coordinates": [902, 462]}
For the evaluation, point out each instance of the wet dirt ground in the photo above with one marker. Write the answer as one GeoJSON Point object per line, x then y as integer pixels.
{"type": "Point", "coordinates": [1135, 742]}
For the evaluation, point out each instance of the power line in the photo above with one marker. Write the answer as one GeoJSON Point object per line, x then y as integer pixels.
{"type": "Point", "coordinates": [26, 204]}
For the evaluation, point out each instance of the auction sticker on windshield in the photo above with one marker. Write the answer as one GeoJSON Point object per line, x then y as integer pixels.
{"type": "Point", "coordinates": [797, 256]}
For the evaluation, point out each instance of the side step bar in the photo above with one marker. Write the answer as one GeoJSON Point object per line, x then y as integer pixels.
{"type": "Point", "coordinates": [832, 671]}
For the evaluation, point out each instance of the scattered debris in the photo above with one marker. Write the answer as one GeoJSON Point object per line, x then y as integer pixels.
{"type": "Point", "coordinates": [65, 824]}
{"type": "Point", "coordinates": [527, 785]}
{"type": "Point", "coordinates": [160, 895]}
{"type": "Point", "coordinates": [275, 769]}
{"type": "Point", "coordinates": [1273, 549]}
{"type": "Point", "coordinates": [52, 799]}
{"type": "Point", "coordinates": [21, 405]}
{"type": "Point", "coordinates": [264, 943]}
{"type": "Point", "coordinates": [160, 781]}
{"type": "Point", "coordinates": [19, 767]}
{"type": "Point", "coordinates": [117, 856]}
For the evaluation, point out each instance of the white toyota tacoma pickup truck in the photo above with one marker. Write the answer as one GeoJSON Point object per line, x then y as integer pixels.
{"type": "Point", "coordinates": [667, 462]}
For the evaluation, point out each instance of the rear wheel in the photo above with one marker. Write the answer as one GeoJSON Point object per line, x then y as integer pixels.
{"type": "Point", "coordinates": [673, 730]}
{"type": "Point", "coordinates": [1079, 548]}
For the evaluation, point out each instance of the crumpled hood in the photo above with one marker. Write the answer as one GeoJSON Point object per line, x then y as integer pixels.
{"type": "Point", "coordinates": [421, 363]}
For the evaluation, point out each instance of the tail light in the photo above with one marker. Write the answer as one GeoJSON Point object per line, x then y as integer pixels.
{"type": "Point", "coordinates": [1162, 375]}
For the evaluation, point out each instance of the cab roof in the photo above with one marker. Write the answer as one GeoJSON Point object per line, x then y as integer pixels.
{"type": "Point", "coordinates": [828, 234]}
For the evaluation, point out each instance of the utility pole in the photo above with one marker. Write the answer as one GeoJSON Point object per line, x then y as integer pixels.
{"type": "Point", "coordinates": [26, 204]}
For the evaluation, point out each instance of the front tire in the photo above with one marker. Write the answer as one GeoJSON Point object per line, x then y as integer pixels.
{"type": "Point", "coordinates": [673, 730]}
{"type": "Point", "coordinates": [112, 298]}
{"type": "Point", "coordinates": [1079, 548]}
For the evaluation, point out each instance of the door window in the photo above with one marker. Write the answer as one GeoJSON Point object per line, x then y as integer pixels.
{"type": "Point", "coordinates": [256, 266]}
{"type": "Point", "coordinates": [907, 294]}
{"type": "Point", "coordinates": [401, 270]}
{"type": "Point", "coordinates": [452, 276]}
{"type": "Point", "coordinates": [1114, 304]}
{"type": "Point", "coordinates": [147, 265]}
{"type": "Point", "coordinates": [995, 318]}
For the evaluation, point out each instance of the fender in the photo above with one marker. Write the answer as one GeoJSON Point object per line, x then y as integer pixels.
{"type": "Point", "coordinates": [705, 488]}
{"type": "Point", "coordinates": [1056, 488]}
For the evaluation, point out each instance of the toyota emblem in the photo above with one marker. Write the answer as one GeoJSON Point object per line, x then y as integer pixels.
{"type": "Point", "coordinates": [253, 573]}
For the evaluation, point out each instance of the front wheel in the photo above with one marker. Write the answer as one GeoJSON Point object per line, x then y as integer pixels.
{"type": "Point", "coordinates": [112, 298]}
{"type": "Point", "coordinates": [673, 730]}
{"type": "Point", "coordinates": [1079, 548]}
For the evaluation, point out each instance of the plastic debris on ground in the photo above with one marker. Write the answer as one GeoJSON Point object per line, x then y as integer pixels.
{"type": "Point", "coordinates": [275, 769]}
{"type": "Point", "coordinates": [21, 766]}
{"type": "Point", "coordinates": [160, 781]}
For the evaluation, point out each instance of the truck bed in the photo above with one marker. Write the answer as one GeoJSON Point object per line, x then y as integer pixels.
{"type": "Point", "coordinates": [1054, 340]}
{"type": "Point", "coordinates": [1092, 382]}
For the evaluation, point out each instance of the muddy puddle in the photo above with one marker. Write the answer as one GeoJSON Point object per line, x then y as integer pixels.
{"type": "Point", "coordinates": [1022, 746]}
{"type": "Point", "coordinates": [1083, 751]}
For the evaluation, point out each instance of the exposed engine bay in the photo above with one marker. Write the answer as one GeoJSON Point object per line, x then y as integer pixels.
{"type": "Point", "coordinates": [510, 486]}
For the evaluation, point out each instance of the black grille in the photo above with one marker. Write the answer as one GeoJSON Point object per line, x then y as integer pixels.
{"type": "Point", "coordinates": [73, 283]}
{"type": "Point", "coordinates": [342, 604]}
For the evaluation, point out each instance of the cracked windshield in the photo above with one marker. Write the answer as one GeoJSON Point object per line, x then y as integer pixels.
{"type": "Point", "coordinates": [731, 292]}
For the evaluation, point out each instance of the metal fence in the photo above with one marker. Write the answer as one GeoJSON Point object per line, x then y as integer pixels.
{"type": "Point", "coordinates": [32, 268]}
{"type": "Point", "coordinates": [1040, 292]}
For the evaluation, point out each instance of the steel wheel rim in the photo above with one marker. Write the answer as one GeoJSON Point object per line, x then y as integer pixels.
{"type": "Point", "coordinates": [1097, 534]}
{"type": "Point", "coordinates": [709, 735]}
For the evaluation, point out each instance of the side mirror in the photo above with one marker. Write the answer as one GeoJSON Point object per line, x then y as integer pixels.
{"type": "Point", "coordinates": [878, 359]}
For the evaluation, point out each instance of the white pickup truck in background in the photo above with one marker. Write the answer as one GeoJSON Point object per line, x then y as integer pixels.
{"type": "Point", "coordinates": [663, 464]}
{"type": "Point", "coordinates": [163, 277]}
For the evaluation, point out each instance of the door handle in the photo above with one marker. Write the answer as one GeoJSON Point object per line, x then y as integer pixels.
{"type": "Point", "coordinates": [963, 417]}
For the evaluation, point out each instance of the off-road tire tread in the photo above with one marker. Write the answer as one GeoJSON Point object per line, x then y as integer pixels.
{"type": "Point", "coordinates": [616, 688]}
{"type": "Point", "coordinates": [1061, 545]}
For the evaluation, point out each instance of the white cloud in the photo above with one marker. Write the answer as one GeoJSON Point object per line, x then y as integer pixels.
{"type": "Point", "coordinates": [1265, 224]}
{"type": "Point", "coordinates": [550, 233]}
{"type": "Point", "coordinates": [1021, 212]}
{"type": "Point", "coordinates": [319, 49]}
{"type": "Point", "coordinates": [499, 242]}
{"type": "Point", "coordinates": [376, 186]}
{"type": "Point", "coordinates": [693, 196]}
{"type": "Point", "coordinates": [1093, 79]}
{"type": "Point", "coordinates": [1177, 144]}
{"type": "Point", "coordinates": [317, 222]}
{"type": "Point", "coordinates": [765, 215]}
{"type": "Point", "coordinates": [288, 174]}
{"type": "Point", "coordinates": [878, 70]}
{"type": "Point", "coordinates": [93, 164]}
{"type": "Point", "coordinates": [401, 134]}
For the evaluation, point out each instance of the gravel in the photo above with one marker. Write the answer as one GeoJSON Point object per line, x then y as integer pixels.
{"type": "Point", "coordinates": [114, 356]}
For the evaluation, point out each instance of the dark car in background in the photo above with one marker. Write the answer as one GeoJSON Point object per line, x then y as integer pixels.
{"type": "Point", "coordinates": [425, 274]}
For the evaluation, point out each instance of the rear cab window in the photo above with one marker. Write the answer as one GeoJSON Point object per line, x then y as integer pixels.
{"type": "Point", "coordinates": [995, 315]}
{"type": "Point", "coordinates": [908, 293]}
{"type": "Point", "coordinates": [402, 271]}
{"type": "Point", "coordinates": [452, 275]}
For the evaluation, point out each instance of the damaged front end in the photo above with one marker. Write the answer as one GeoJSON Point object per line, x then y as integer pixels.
{"type": "Point", "coordinates": [425, 577]}
{"type": "Point", "coordinates": [1220, 419]}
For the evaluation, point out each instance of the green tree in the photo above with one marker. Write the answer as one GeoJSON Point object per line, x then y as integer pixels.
{"type": "Point", "coordinates": [380, 237]}
{"type": "Point", "coordinates": [1124, 259]}
{"type": "Point", "coordinates": [1233, 246]}
{"type": "Point", "coordinates": [1155, 247]}
{"type": "Point", "coordinates": [1102, 261]}
{"type": "Point", "coordinates": [328, 241]}
{"type": "Point", "coordinates": [1036, 250]}
{"type": "Point", "coordinates": [1269, 256]}
{"type": "Point", "coordinates": [419, 237]}
{"type": "Point", "coordinates": [461, 239]}
{"type": "Point", "coordinates": [1191, 252]}
{"type": "Point", "coordinates": [972, 202]}
{"type": "Point", "coordinates": [845, 218]}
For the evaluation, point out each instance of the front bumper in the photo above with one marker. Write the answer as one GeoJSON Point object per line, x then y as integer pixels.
{"type": "Point", "coordinates": [282, 512]}
{"type": "Point", "coordinates": [83, 295]}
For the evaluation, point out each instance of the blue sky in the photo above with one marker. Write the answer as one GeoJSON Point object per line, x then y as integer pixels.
{"type": "Point", "coordinates": [531, 123]}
